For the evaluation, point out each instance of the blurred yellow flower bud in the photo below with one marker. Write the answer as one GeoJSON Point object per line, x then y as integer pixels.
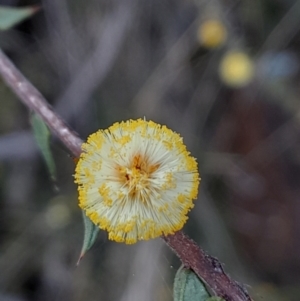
{"type": "Point", "coordinates": [212, 33]}
{"type": "Point", "coordinates": [236, 69]}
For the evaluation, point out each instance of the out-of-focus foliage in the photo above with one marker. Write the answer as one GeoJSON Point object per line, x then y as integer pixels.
{"type": "Point", "coordinates": [98, 62]}
{"type": "Point", "coordinates": [9, 17]}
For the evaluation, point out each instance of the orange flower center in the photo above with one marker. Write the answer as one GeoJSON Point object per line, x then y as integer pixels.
{"type": "Point", "coordinates": [137, 176]}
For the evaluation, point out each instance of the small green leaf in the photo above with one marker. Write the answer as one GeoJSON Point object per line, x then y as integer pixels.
{"type": "Point", "coordinates": [42, 137]}
{"type": "Point", "coordinates": [90, 235]}
{"type": "Point", "coordinates": [9, 16]}
{"type": "Point", "coordinates": [188, 287]}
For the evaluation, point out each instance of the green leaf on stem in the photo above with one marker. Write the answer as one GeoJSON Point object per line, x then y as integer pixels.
{"type": "Point", "coordinates": [188, 286]}
{"type": "Point", "coordinates": [90, 235]}
{"type": "Point", "coordinates": [10, 16]}
{"type": "Point", "coordinates": [42, 137]}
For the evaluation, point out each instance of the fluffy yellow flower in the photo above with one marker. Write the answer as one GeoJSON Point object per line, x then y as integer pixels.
{"type": "Point", "coordinates": [136, 180]}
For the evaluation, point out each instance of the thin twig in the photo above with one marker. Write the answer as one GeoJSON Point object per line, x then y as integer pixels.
{"type": "Point", "coordinates": [206, 267]}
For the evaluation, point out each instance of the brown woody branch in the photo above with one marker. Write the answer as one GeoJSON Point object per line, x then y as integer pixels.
{"type": "Point", "coordinates": [192, 256]}
{"type": "Point", "coordinates": [208, 268]}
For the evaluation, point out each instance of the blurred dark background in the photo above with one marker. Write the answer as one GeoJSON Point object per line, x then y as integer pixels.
{"type": "Point", "coordinates": [224, 74]}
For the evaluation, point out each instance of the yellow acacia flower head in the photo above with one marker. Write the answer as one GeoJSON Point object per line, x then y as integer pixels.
{"type": "Point", "coordinates": [136, 180]}
{"type": "Point", "coordinates": [212, 33]}
{"type": "Point", "coordinates": [236, 69]}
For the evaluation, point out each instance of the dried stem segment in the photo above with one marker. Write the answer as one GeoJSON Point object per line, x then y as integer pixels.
{"type": "Point", "coordinates": [34, 100]}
